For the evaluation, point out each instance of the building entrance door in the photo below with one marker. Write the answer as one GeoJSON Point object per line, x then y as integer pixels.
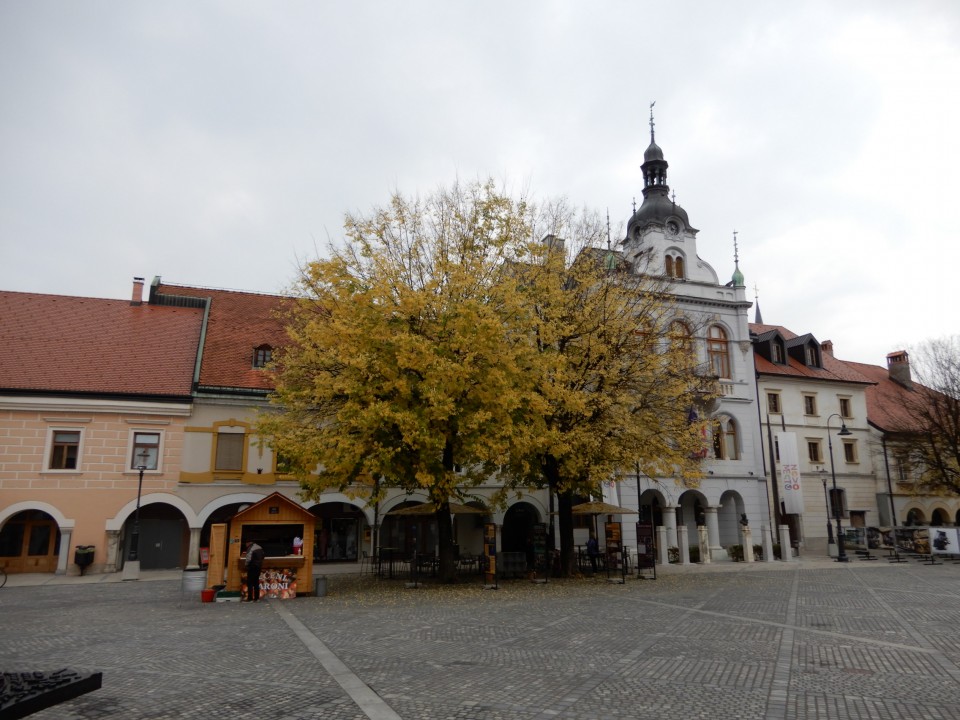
{"type": "Point", "coordinates": [30, 543]}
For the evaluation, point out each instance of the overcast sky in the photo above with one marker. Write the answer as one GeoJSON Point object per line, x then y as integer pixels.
{"type": "Point", "coordinates": [220, 143]}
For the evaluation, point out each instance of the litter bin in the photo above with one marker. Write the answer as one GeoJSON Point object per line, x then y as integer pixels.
{"type": "Point", "coordinates": [320, 585]}
{"type": "Point", "coordinates": [193, 582]}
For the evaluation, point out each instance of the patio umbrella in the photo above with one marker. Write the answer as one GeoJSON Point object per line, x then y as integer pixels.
{"type": "Point", "coordinates": [600, 508]}
{"type": "Point", "coordinates": [431, 509]}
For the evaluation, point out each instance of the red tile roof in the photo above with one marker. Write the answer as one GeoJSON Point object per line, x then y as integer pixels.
{"type": "Point", "coordinates": [238, 323]}
{"type": "Point", "coordinates": [888, 400]}
{"type": "Point", "coordinates": [833, 370]}
{"type": "Point", "coordinates": [57, 343]}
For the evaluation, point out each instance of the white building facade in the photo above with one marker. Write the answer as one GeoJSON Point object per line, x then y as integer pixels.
{"type": "Point", "coordinates": [661, 240]}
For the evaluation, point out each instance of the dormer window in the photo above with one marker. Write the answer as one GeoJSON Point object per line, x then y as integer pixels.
{"type": "Point", "coordinates": [813, 357]}
{"type": "Point", "coordinates": [262, 355]}
{"type": "Point", "coordinates": [779, 356]}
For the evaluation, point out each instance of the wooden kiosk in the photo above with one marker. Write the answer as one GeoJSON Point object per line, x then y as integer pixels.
{"type": "Point", "coordinates": [274, 523]}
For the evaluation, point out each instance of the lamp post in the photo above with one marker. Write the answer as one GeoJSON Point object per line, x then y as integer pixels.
{"type": "Point", "coordinates": [841, 553]}
{"type": "Point", "coordinates": [826, 502]}
{"type": "Point", "coordinates": [131, 568]}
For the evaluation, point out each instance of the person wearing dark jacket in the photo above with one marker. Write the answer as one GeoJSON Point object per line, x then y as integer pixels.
{"type": "Point", "coordinates": [254, 558]}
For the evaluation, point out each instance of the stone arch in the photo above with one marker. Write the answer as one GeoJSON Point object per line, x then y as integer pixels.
{"type": "Point", "coordinates": [692, 511]}
{"type": "Point", "coordinates": [128, 510]}
{"type": "Point", "coordinates": [939, 517]}
{"type": "Point", "coordinates": [517, 530]}
{"type": "Point", "coordinates": [165, 526]}
{"type": "Point", "coordinates": [728, 517]}
{"type": "Point", "coordinates": [342, 532]}
{"type": "Point", "coordinates": [34, 538]}
{"type": "Point", "coordinates": [914, 515]}
{"type": "Point", "coordinates": [63, 522]}
{"type": "Point", "coordinates": [650, 507]}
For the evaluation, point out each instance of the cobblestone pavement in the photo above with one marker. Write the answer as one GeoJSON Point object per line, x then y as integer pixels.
{"type": "Point", "coordinates": [783, 640]}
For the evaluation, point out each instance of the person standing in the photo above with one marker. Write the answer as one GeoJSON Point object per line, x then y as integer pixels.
{"type": "Point", "coordinates": [593, 551]}
{"type": "Point", "coordinates": [254, 558]}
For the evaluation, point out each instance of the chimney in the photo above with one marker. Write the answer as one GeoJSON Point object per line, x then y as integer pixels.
{"type": "Point", "coordinates": [137, 298]}
{"type": "Point", "coordinates": [553, 242]}
{"type": "Point", "coordinates": [826, 347]}
{"type": "Point", "coordinates": [898, 363]}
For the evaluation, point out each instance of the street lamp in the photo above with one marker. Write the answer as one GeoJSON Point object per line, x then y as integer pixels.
{"type": "Point", "coordinates": [131, 569]}
{"type": "Point", "coordinates": [841, 553]}
{"type": "Point", "coordinates": [826, 502]}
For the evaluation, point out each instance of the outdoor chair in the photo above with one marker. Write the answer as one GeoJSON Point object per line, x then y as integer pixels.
{"type": "Point", "coordinates": [367, 561]}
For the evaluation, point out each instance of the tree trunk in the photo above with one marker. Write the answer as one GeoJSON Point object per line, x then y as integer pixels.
{"type": "Point", "coordinates": [568, 562]}
{"type": "Point", "coordinates": [551, 470]}
{"type": "Point", "coordinates": [446, 569]}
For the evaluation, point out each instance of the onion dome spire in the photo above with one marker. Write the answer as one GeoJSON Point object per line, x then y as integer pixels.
{"type": "Point", "coordinates": [654, 166]}
{"type": "Point", "coordinates": [737, 275]}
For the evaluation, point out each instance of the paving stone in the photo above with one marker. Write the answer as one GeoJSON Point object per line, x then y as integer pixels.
{"type": "Point", "coordinates": [768, 642]}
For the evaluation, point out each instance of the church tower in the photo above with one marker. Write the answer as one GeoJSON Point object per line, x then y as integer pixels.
{"type": "Point", "coordinates": [660, 241]}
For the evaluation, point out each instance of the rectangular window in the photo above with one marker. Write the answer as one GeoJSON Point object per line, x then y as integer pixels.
{"type": "Point", "coordinates": [903, 469]}
{"type": "Point", "coordinates": [838, 502]}
{"type": "Point", "coordinates": [146, 451]}
{"type": "Point", "coordinates": [845, 408]}
{"type": "Point", "coordinates": [850, 451]}
{"type": "Point", "coordinates": [282, 463]}
{"type": "Point", "coordinates": [809, 404]}
{"type": "Point", "coordinates": [813, 451]}
{"type": "Point", "coordinates": [65, 450]}
{"type": "Point", "coordinates": [229, 452]}
{"type": "Point", "coordinates": [773, 403]}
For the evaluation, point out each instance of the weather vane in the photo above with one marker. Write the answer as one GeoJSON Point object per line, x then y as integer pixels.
{"type": "Point", "coordinates": [736, 250]}
{"type": "Point", "coordinates": [651, 119]}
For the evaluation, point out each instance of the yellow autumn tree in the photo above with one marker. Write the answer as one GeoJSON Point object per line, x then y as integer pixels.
{"type": "Point", "coordinates": [405, 359]}
{"type": "Point", "coordinates": [616, 375]}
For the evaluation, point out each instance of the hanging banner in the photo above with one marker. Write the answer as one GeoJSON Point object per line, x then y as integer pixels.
{"type": "Point", "coordinates": [788, 471]}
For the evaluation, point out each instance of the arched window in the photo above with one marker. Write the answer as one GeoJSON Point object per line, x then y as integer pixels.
{"type": "Point", "coordinates": [262, 355]}
{"type": "Point", "coordinates": [680, 335]}
{"type": "Point", "coordinates": [673, 265]}
{"type": "Point", "coordinates": [725, 442]}
{"type": "Point", "coordinates": [718, 352]}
